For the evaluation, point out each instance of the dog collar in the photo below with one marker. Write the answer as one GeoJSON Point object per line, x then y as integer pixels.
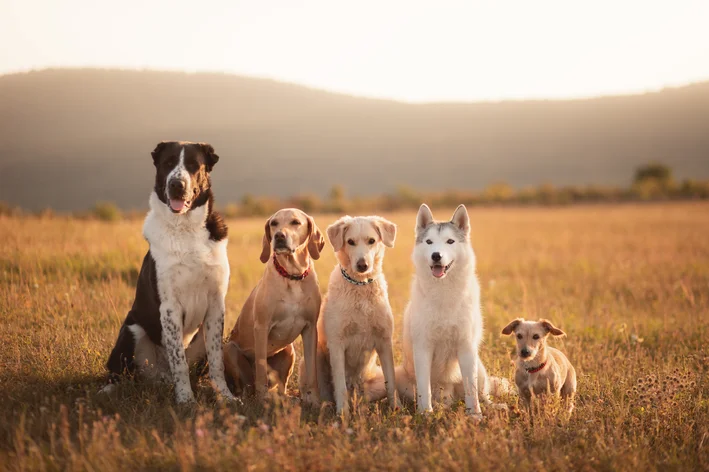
{"type": "Point", "coordinates": [284, 273]}
{"type": "Point", "coordinates": [353, 281]}
{"type": "Point", "coordinates": [534, 370]}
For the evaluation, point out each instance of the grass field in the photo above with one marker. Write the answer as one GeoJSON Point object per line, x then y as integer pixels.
{"type": "Point", "coordinates": [629, 284]}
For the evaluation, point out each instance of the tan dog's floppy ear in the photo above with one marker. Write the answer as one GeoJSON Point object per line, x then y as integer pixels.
{"type": "Point", "coordinates": [336, 233]}
{"type": "Point", "coordinates": [386, 230]}
{"type": "Point", "coordinates": [551, 329]}
{"type": "Point", "coordinates": [266, 251]}
{"type": "Point", "coordinates": [424, 217]}
{"type": "Point", "coordinates": [461, 219]}
{"type": "Point", "coordinates": [316, 241]}
{"type": "Point", "coordinates": [510, 328]}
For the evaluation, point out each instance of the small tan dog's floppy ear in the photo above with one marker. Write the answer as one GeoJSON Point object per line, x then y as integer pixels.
{"type": "Point", "coordinates": [551, 329]}
{"type": "Point", "coordinates": [386, 230]}
{"type": "Point", "coordinates": [266, 251]}
{"type": "Point", "coordinates": [336, 233]}
{"type": "Point", "coordinates": [510, 328]}
{"type": "Point", "coordinates": [316, 241]}
{"type": "Point", "coordinates": [461, 219]}
{"type": "Point", "coordinates": [424, 217]}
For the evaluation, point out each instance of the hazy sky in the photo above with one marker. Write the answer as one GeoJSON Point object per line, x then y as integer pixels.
{"type": "Point", "coordinates": [433, 50]}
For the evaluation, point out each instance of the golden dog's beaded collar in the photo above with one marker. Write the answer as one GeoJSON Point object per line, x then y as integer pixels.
{"type": "Point", "coordinates": [353, 281]}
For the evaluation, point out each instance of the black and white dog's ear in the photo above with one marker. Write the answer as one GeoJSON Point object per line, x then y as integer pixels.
{"type": "Point", "coordinates": [424, 217]}
{"type": "Point", "coordinates": [461, 219]}
{"type": "Point", "coordinates": [157, 151]}
{"type": "Point", "coordinates": [209, 155]}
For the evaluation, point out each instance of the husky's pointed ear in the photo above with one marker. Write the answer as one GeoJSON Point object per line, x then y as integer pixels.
{"type": "Point", "coordinates": [510, 328]}
{"type": "Point", "coordinates": [551, 329]}
{"type": "Point", "coordinates": [386, 230]}
{"type": "Point", "coordinates": [315, 239]}
{"type": "Point", "coordinates": [336, 232]}
{"type": "Point", "coordinates": [266, 250]}
{"type": "Point", "coordinates": [424, 217]}
{"type": "Point", "coordinates": [461, 219]}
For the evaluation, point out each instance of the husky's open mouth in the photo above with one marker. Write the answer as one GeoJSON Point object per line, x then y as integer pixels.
{"type": "Point", "coordinates": [439, 270]}
{"type": "Point", "coordinates": [177, 205]}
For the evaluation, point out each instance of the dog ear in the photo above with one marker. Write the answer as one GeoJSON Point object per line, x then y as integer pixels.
{"type": "Point", "coordinates": [156, 152]}
{"type": "Point", "coordinates": [424, 217]}
{"type": "Point", "coordinates": [386, 230]}
{"type": "Point", "coordinates": [461, 219]}
{"type": "Point", "coordinates": [510, 328]}
{"type": "Point", "coordinates": [551, 329]}
{"type": "Point", "coordinates": [266, 250]}
{"type": "Point", "coordinates": [336, 232]}
{"type": "Point", "coordinates": [316, 241]}
{"type": "Point", "coordinates": [210, 157]}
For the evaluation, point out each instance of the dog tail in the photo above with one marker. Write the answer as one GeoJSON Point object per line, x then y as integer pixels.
{"type": "Point", "coordinates": [499, 386]}
{"type": "Point", "coordinates": [375, 386]}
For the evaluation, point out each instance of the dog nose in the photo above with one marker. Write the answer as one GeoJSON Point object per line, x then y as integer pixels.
{"type": "Point", "coordinates": [279, 236]}
{"type": "Point", "coordinates": [177, 185]}
{"type": "Point", "coordinates": [436, 256]}
{"type": "Point", "coordinates": [525, 352]}
{"type": "Point", "coordinates": [362, 265]}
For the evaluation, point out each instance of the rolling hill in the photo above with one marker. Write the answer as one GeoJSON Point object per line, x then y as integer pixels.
{"type": "Point", "coordinates": [73, 137]}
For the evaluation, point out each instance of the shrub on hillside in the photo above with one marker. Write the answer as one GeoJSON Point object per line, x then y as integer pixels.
{"type": "Point", "coordinates": [106, 211]}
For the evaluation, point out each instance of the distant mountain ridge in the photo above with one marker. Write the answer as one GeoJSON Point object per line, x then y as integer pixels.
{"type": "Point", "coordinates": [71, 137]}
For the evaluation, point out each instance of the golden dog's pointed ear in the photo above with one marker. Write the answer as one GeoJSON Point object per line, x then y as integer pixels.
{"type": "Point", "coordinates": [316, 241]}
{"type": "Point", "coordinates": [510, 328]}
{"type": "Point", "coordinates": [266, 250]}
{"type": "Point", "coordinates": [551, 329]}
{"type": "Point", "coordinates": [336, 232]}
{"type": "Point", "coordinates": [386, 230]}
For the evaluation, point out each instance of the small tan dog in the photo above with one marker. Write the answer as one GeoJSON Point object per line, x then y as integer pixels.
{"type": "Point", "coordinates": [541, 369]}
{"type": "Point", "coordinates": [356, 317]}
{"type": "Point", "coordinates": [283, 305]}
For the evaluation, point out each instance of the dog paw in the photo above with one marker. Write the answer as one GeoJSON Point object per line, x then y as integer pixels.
{"type": "Point", "coordinates": [107, 389]}
{"type": "Point", "coordinates": [476, 417]}
{"type": "Point", "coordinates": [500, 406]}
{"type": "Point", "coordinates": [185, 397]}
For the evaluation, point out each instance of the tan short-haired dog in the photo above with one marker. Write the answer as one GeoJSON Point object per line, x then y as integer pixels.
{"type": "Point", "coordinates": [356, 317]}
{"type": "Point", "coordinates": [540, 368]}
{"type": "Point", "coordinates": [284, 305]}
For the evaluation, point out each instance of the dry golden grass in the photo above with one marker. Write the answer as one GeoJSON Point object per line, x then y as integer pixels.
{"type": "Point", "coordinates": [629, 284]}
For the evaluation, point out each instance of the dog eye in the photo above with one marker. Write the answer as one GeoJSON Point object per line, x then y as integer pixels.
{"type": "Point", "coordinates": [429, 242]}
{"type": "Point", "coordinates": [274, 223]}
{"type": "Point", "coordinates": [350, 242]}
{"type": "Point", "coordinates": [450, 241]}
{"type": "Point", "coordinates": [371, 241]}
{"type": "Point", "coordinates": [536, 336]}
{"type": "Point", "coordinates": [295, 222]}
{"type": "Point", "coordinates": [519, 336]}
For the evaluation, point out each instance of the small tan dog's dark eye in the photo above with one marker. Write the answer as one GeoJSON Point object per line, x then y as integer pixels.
{"type": "Point", "coordinates": [350, 242]}
{"type": "Point", "coordinates": [450, 241]}
{"type": "Point", "coordinates": [371, 241]}
{"type": "Point", "coordinates": [295, 222]}
{"type": "Point", "coordinates": [429, 242]}
{"type": "Point", "coordinates": [519, 336]}
{"type": "Point", "coordinates": [274, 223]}
{"type": "Point", "coordinates": [536, 336]}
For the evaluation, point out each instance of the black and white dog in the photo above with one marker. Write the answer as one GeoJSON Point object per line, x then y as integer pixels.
{"type": "Point", "coordinates": [178, 311]}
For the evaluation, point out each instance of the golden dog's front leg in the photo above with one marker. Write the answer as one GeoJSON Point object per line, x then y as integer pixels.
{"type": "Point", "coordinates": [261, 359]}
{"type": "Point", "coordinates": [310, 348]}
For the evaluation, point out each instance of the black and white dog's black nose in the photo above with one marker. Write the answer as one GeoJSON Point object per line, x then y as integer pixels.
{"type": "Point", "coordinates": [436, 257]}
{"type": "Point", "coordinates": [176, 185]}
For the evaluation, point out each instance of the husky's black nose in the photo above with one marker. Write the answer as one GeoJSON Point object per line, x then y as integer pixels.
{"type": "Point", "coordinates": [362, 266]}
{"type": "Point", "coordinates": [436, 256]}
{"type": "Point", "coordinates": [176, 186]}
{"type": "Point", "coordinates": [525, 352]}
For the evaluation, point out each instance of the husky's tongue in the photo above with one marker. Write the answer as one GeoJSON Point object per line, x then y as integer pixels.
{"type": "Point", "coordinates": [438, 271]}
{"type": "Point", "coordinates": [177, 205]}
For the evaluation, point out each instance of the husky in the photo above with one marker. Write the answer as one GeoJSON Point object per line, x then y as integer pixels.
{"type": "Point", "coordinates": [443, 324]}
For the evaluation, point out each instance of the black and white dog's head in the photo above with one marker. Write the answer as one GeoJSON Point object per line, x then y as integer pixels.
{"type": "Point", "coordinates": [182, 174]}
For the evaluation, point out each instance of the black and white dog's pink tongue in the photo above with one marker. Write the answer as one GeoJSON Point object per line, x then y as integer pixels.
{"type": "Point", "coordinates": [177, 205]}
{"type": "Point", "coordinates": [438, 271]}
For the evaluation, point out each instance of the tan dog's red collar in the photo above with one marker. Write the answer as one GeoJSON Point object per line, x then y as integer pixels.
{"type": "Point", "coordinates": [534, 370]}
{"type": "Point", "coordinates": [284, 273]}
